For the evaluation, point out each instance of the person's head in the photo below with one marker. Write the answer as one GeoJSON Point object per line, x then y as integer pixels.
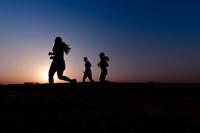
{"type": "Point", "coordinates": [101, 55]}
{"type": "Point", "coordinates": [58, 40]}
{"type": "Point", "coordinates": [85, 59]}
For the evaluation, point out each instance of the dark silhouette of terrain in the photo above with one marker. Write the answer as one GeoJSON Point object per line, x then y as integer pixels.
{"type": "Point", "coordinates": [99, 108]}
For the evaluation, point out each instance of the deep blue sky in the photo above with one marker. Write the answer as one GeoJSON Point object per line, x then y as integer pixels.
{"type": "Point", "coordinates": [145, 40]}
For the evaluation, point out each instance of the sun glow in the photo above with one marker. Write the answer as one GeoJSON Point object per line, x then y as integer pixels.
{"type": "Point", "coordinates": [45, 76]}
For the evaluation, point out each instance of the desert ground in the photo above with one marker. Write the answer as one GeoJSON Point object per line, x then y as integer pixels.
{"type": "Point", "coordinates": [100, 108]}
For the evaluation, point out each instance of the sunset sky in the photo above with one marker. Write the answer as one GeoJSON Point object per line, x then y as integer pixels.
{"type": "Point", "coordinates": [146, 40]}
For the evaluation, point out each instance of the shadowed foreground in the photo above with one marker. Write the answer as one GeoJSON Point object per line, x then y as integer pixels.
{"type": "Point", "coordinates": [115, 107]}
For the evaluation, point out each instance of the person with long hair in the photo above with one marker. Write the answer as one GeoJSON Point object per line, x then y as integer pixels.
{"type": "Point", "coordinates": [103, 64]}
{"type": "Point", "coordinates": [58, 63]}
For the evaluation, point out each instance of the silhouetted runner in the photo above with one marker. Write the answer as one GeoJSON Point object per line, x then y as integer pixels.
{"type": "Point", "coordinates": [58, 63]}
{"type": "Point", "coordinates": [103, 64]}
{"type": "Point", "coordinates": [87, 72]}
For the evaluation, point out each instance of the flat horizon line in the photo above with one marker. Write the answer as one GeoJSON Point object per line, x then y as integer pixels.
{"type": "Point", "coordinates": [150, 82]}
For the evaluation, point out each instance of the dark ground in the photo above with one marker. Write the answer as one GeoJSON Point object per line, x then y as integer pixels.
{"type": "Point", "coordinates": [115, 107]}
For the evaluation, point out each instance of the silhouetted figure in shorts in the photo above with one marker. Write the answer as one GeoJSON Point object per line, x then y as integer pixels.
{"type": "Point", "coordinates": [87, 72]}
{"type": "Point", "coordinates": [103, 64]}
{"type": "Point", "coordinates": [58, 63]}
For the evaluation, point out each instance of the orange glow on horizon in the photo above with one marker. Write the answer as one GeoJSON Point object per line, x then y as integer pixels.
{"type": "Point", "coordinates": [44, 75]}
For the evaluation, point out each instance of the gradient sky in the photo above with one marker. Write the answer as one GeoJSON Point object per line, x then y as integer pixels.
{"type": "Point", "coordinates": [145, 40]}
